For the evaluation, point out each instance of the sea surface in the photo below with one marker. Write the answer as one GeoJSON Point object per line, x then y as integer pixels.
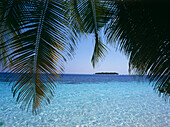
{"type": "Point", "coordinates": [91, 101]}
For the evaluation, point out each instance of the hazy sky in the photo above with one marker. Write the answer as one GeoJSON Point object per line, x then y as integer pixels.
{"type": "Point", "coordinates": [114, 61]}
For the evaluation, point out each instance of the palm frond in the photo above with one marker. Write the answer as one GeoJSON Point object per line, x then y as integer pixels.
{"type": "Point", "coordinates": [145, 38]}
{"type": "Point", "coordinates": [38, 51]}
{"type": "Point", "coordinates": [5, 10]}
{"type": "Point", "coordinates": [91, 16]}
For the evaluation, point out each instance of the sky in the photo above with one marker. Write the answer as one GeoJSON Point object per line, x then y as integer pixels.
{"type": "Point", "coordinates": [114, 61]}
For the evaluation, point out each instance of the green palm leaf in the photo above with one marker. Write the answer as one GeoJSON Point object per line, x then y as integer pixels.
{"type": "Point", "coordinates": [5, 10]}
{"type": "Point", "coordinates": [91, 16]}
{"type": "Point", "coordinates": [144, 38]}
{"type": "Point", "coordinates": [43, 43]}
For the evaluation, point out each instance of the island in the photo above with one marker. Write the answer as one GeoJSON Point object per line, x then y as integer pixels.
{"type": "Point", "coordinates": [106, 73]}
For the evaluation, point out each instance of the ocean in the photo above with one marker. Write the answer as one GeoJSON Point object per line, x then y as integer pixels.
{"type": "Point", "coordinates": [91, 101]}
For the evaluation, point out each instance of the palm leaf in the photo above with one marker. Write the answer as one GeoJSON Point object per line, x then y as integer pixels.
{"type": "Point", "coordinates": [38, 51]}
{"type": "Point", "coordinates": [90, 16]}
{"type": "Point", "coordinates": [5, 10]}
{"type": "Point", "coordinates": [144, 38]}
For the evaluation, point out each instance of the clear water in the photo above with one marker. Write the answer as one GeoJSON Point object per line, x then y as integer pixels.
{"type": "Point", "coordinates": [91, 101]}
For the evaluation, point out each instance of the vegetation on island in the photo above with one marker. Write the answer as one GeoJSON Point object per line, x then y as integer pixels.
{"type": "Point", "coordinates": [106, 73]}
{"type": "Point", "coordinates": [38, 36]}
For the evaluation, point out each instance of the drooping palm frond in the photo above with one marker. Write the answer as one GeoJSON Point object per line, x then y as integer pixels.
{"type": "Point", "coordinates": [5, 10]}
{"type": "Point", "coordinates": [90, 16]}
{"type": "Point", "coordinates": [142, 31]}
{"type": "Point", "coordinates": [43, 42]}
{"type": "Point", "coordinates": [73, 13]}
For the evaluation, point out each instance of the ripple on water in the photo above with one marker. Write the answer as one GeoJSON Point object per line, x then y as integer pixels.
{"type": "Point", "coordinates": [124, 104]}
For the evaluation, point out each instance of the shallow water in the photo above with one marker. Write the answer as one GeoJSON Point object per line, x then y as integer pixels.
{"type": "Point", "coordinates": [91, 101]}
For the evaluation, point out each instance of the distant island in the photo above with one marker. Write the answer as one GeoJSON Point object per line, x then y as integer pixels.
{"type": "Point", "coordinates": [106, 73]}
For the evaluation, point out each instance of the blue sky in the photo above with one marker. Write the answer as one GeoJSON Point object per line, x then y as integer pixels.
{"type": "Point", "coordinates": [114, 61]}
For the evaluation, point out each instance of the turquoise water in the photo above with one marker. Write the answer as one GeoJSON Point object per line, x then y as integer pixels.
{"type": "Point", "coordinates": [91, 101]}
